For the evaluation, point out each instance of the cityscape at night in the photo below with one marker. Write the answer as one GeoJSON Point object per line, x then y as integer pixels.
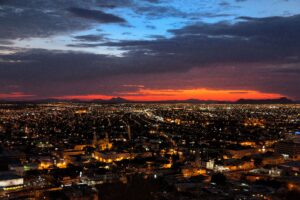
{"type": "Point", "coordinates": [149, 151]}
{"type": "Point", "coordinates": [149, 99]}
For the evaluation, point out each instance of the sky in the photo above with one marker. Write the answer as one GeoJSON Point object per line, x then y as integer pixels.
{"type": "Point", "coordinates": [149, 49]}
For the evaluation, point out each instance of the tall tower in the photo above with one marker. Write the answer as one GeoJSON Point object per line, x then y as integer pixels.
{"type": "Point", "coordinates": [95, 140]}
{"type": "Point", "coordinates": [106, 142]}
{"type": "Point", "coordinates": [129, 132]}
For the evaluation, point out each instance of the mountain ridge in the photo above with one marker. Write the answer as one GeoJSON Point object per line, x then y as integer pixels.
{"type": "Point", "coordinates": [120, 100]}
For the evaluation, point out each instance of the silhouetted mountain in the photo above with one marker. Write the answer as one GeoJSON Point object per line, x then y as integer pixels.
{"type": "Point", "coordinates": [119, 100]}
{"type": "Point", "coordinates": [112, 100]}
{"type": "Point", "coordinates": [282, 100]}
{"type": "Point", "coordinates": [195, 101]}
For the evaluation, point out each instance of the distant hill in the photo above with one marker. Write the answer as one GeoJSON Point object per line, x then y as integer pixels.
{"type": "Point", "coordinates": [282, 100]}
{"type": "Point", "coordinates": [112, 100]}
{"type": "Point", "coordinates": [119, 100]}
{"type": "Point", "coordinates": [195, 101]}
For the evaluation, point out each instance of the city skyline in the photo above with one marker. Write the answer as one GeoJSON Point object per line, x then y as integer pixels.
{"type": "Point", "coordinates": [149, 50]}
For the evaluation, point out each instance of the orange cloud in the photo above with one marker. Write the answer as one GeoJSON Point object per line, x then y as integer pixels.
{"type": "Point", "coordinates": [181, 94]}
{"type": "Point", "coordinates": [15, 95]}
{"type": "Point", "coordinates": [203, 94]}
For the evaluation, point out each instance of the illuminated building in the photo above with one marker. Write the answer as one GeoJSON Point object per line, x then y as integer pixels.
{"type": "Point", "coordinates": [103, 144]}
{"type": "Point", "coordinates": [111, 157]}
{"type": "Point", "coordinates": [189, 171]}
{"type": "Point", "coordinates": [208, 164]}
{"type": "Point", "coordinates": [45, 163]}
{"type": "Point", "coordinates": [248, 143]}
{"type": "Point", "coordinates": [275, 172]}
{"type": "Point", "coordinates": [9, 181]}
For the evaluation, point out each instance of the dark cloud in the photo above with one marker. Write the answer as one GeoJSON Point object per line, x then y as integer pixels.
{"type": "Point", "coordinates": [40, 18]}
{"type": "Point", "coordinates": [90, 38]}
{"type": "Point", "coordinates": [85, 45]}
{"type": "Point", "coordinates": [157, 37]}
{"type": "Point", "coordinates": [29, 22]}
{"type": "Point", "coordinates": [113, 3]}
{"type": "Point", "coordinates": [6, 42]}
{"type": "Point", "coordinates": [153, 1]}
{"type": "Point", "coordinates": [265, 40]}
{"type": "Point", "coordinates": [96, 15]}
{"type": "Point", "coordinates": [271, 27]}
{"type": "Point", "coordinates": [54, 4]}
{"type": "Point", "coordinates": [42, 65]}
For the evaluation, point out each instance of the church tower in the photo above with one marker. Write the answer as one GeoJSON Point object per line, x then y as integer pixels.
{"type": "Point", "coordinates": [95, 140]}
{"type": "Point", "coordinates": [129, 132]}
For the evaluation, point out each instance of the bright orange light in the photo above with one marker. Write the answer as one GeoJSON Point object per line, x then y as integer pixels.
{"type": "Point", "coordinates": [61, 165]}
{"type": "Point", "coordinates": [201, 93]}
{"type": "Point", "coordinates": [182, 94]}
{"type": "Point", "coordinates": [44, 165]}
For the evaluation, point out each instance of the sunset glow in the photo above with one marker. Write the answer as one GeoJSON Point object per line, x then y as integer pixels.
{"type": "Point", "coordinates": [161, 95]}
{"type": "Point", "coordinates": [15, 95]}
